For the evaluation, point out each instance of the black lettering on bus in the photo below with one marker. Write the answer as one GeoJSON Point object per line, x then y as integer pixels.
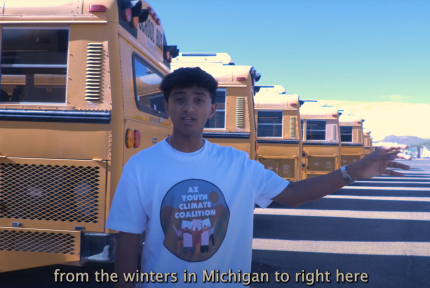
{"type": "Point", "coordinates": [159, 40]}
{"type": "Point", "coordinates": [148, 29]}
{"type": "Point", "coordinates": [152, 32]}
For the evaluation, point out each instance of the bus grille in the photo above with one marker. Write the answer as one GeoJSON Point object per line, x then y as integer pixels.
{"type": "Point", "coordinates": [349, 159]}
{"type": "Point", "coordinates": [321, 163]}
{"type": "Point", "coordinates": [49, 192]}
{"type": "Point", "coordinates": [41, 242]}
{"type": "Point", "coordinates": [284, 167]}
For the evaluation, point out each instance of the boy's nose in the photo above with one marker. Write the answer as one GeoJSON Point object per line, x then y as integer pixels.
{"type": "Point", "coordinates": [188, 107]}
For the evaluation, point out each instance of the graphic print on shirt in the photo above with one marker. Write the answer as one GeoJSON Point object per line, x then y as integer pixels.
{"type": "Point", "coordinates": [194, 217]}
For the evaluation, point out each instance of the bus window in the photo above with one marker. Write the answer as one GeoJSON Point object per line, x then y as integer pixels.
{"type": "Point", "coordinates": [149, 98]}
{"type": "Point", "coordinates": [34, 65]}
{"type": "Point", "coordinates": [218, 120]}
{"type": "Point", "coordinates": [315, 130]}
{"type": "Point", "coordinates": [346, 133]}
{"type": "Point", "coordinates": [269, 124]}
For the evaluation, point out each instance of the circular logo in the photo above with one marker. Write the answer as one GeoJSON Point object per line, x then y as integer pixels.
{"type": "Point", "coordinates": [194, 217]}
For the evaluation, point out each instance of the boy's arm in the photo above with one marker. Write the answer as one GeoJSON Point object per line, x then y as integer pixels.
{"type": "Point", "coordinates": [126, 257]}
{"type": "Point", "coordinates": [376, 163]}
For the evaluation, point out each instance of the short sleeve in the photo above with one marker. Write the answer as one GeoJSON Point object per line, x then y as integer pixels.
{"type": "Point", "coordinates": [268, 184]}
{"type": "Point", "coordinates": [127, 213]}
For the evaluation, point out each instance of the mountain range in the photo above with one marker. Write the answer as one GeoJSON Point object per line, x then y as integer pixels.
{"type": "Point", "coordinates": [406, 140]}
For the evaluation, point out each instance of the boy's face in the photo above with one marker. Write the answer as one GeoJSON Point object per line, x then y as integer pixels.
{"type": "Point", "coordinates": [189, 109]}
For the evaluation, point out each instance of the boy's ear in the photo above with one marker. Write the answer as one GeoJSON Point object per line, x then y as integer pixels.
{"type": "Point", "coordinates": [213, 110]}
{"type": "Point", "coordinates": [166, 106]}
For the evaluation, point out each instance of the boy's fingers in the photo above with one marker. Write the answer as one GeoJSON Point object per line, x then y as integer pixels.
{"type": "Point", "coordinates": [398, 165]}
{"type": "Point", "coordinates": [404, 156]}
{"type": "Point", "coordinates": [390, 156]}
{"type": "Point", "coordinates": [394, 147]}
{"type": "Point", "coordinates": [394, 173]}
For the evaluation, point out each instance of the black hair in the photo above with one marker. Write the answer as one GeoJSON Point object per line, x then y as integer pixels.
{"type": "Point", "coordinates": [187, 78]}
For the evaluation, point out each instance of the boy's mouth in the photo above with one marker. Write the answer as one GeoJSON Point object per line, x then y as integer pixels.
{"type": "Point", "coordinates": [188, 120]}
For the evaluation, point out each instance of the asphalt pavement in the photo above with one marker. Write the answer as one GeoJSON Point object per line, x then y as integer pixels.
{"type": "Point", "coordinates": [377, 230]}
{"type": "Point", "coordinates": [379, 227]}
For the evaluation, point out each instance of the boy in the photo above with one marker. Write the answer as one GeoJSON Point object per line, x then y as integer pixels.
{"type": "Point", "coordinates": [185, 181]}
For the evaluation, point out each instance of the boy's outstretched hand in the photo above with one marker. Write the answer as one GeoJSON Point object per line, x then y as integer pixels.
{"type": "Point", "coordinates": [377, 163]}
{"type": "Point", "coordinates": [374, 164]}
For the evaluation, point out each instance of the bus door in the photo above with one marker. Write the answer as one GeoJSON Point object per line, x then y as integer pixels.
{"type": "Point", "coordinates": [233, 123]}
{"type": "Point", "coordinates": [351, 135]}
{"type": "Point", "coordinates": [321, 145]}
{"type": "Point", "coordinates": [278, 132]}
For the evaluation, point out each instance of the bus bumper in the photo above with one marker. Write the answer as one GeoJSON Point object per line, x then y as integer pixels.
{"type": "Point", "coordinates": [98, 247]}
{"type": "Point", "coordinates": [23, 248]}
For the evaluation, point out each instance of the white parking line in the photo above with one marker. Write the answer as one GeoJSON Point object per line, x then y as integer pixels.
{"type": "Point", "coordinates": [395, 178]}
{"type": "Point", "coordinates": [418, 216]}
{"type": "Point", "coordinates": [405, 199]}
{"type": "Point", "coordinates": [393, 182]}
{"type": "Point", "coordinates": [387, 188]}
{"type": "Point", "coordinates": [345, 247]}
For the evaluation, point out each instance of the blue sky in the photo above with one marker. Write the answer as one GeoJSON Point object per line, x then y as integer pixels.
{"type": "Point", "coordinates": [356, 50]}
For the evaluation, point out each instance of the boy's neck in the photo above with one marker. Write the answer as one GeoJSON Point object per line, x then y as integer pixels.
{"type": "Point", "coordinates": [186, 143]}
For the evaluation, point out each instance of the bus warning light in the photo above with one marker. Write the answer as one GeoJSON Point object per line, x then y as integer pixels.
{"type": "Point", "coordinates": [129, 138]}
{"type": "Point", "coordinates": [127, 15]}
{"type": "Point", "coordinates": [169, 57]}
{"type": "Point", "coordinates": [97, 8]}
{"type": "Point", "coordinates": [136, 138]}
{"type": "Point", "coordinates": [135, 22]}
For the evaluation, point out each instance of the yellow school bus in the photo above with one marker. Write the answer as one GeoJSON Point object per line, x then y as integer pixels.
{"type": "Point", "coordinates": [351, 138]}
{"type": "Point", "coordinates": [79, 97]}
{"type": "Point", "coordinates": [278, 131]}
{"type": "Point", "coordinates": [321, 145]}
{"type": "Point", "coordinates": [368, 147]}
{"type": "Point", "coordinates": [233, 123]}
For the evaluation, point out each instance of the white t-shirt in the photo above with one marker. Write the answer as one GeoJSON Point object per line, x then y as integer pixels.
{"type": "Point", "coordinates": [161, 187]}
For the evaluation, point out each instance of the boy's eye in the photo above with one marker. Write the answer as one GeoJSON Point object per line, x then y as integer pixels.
{"type": "Point", "coordinates": [178, 99]}
{"type": "Point", "coordinates": [200, 100]}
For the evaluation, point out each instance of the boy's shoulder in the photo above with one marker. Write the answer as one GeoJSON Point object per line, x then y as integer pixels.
{"type": "Point", "coordinates": [228, 151]}
{"type": "Point", "coordinates": [146, 155]}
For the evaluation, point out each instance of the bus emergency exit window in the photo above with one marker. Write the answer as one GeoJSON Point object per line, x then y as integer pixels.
{"type": "Point", "coordinates": [346, 133]}
{"type": "Point", "coordinates": [315, 129]}
{"type": "Point", "coordinates": [269, 124]}
{"type": "Point", "coordinates": [34, 65]}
